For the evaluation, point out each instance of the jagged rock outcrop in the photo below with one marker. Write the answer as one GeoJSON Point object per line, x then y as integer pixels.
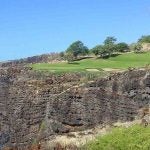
{"type": "Point", "coordinates": [36, 106]}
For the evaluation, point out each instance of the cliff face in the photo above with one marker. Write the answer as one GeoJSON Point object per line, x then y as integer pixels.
{"type": "Point", "coordinates": [35, 107]}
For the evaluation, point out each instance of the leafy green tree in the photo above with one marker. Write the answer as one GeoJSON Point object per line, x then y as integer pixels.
{"type": "Point", "coordinates": [144, 39]}
{"type": "Point", "coordinates": [62, 54]}
{"type": "Point", "coordinates": [137, 48]}
{"type": "Point", "coordinates": [122, 47]}
{"type": "Point", "coordinates": [102, 50]}
{"type": "Point", "coordinates": [77, 48]}
{"type": "Point", "coordinates": [69, 57]}
{"type": "Point", "coordinates": [109, 45]}
{"type": "Point", "coordinates": [131, 46]}
{"type": "Point", "coordinates": [107, 49]}
{"type": "Point", "coordinates": [110, 40]}
{"type": "Point", "coordinates": [96, 50]}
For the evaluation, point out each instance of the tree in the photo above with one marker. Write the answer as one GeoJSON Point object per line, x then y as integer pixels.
{"type": "Point", "coordinates": [131, 46]}
{"type": "Point", "coordinates": [69, 57]}
{"type": "Point", "coordinates": [109, 45]}
{"type": "Point", "coordinates": [137, 48]}
{"type": "Point", "coordinates": [144, 39]}
{"type": "Point", "coordinates": [77, 48]}
{"type": "Point", "coordinates": [62, 54]}
{"type": "Point", "coordinates": [110, 40]}
{"type": "Point", "coordinates": [122, 47]}
{"type": "Point", "coordinates": [96, 50]}
{"type": "Point", "coordinates": [107, 49]}
{"type": "Point", "coordinates": [102, 50]}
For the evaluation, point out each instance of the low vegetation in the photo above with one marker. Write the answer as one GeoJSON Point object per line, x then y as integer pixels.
{"type": "Point", "coordinates": [121, 61]}
{"type": "Point", "coordinates": [109, 47]}
{"type": "Point", "coordinates": [108, 55]}
{"type": "Point", "coordinates": [144, 39]}
{"type": "Point", "coordinates": [133, 138]}
{"type": "Point", "coordinates": [106, 49]}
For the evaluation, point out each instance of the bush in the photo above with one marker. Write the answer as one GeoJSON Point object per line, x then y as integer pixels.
{"type": "Point", "coordinates": [144, 39]}
{"type": "Point", "coordinates": [137, 48]}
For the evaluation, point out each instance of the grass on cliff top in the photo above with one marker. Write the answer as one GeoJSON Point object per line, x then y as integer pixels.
{"type": "Point", "coordinates": [119, 62]}
{"type": "Point", "coordinates": [133, 138]}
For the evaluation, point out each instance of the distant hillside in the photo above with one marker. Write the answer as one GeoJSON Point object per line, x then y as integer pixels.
{"type": "Point", "coordinates": [45, 58]}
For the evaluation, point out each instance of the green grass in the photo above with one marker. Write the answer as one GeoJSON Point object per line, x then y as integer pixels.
{"type": "Point", "coordinates": [133, 138]}
{"type": "Point", "coordinates": [119, 62]}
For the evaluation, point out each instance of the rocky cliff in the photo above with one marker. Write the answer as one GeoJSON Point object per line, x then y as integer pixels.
{"type": "Point", "coordinates": [36, 106]}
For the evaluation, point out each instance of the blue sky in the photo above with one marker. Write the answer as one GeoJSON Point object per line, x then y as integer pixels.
{"type": "Point", "coordinates": [32, 27]}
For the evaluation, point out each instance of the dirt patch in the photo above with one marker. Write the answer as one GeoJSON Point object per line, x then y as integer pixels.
{"type": "Point", "coordinates": [79, 138]}
{"type": "Point", "coordinates": [113, 70]}
{"type": "Point", "coordinates": [82, 137]}
{"type": "Point", "coordinates": [92, 70]}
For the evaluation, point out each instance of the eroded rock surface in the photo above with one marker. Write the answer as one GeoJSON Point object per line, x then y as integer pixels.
{"type": "Point", "coordinates": [34, 107]}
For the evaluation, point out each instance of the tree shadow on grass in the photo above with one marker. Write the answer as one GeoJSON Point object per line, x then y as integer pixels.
{"type": "Point", "coordinates": [74, 63]}
{"type": "Point", "coordinates": [107, 56]}
{"type": "Point", "coordinates": [81, 58]}
{"type": "Point", "coordinates": [115, 55]}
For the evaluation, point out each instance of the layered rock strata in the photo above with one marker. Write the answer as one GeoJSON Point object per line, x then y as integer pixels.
{"type": "Point", "coordinates": [34, 107]}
